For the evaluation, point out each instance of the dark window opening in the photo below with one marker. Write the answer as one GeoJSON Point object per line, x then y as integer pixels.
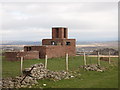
{"type": "Point", "coordinates": [29, 48]}
{"type": "Point", "coordinates": [53, 43]}
{"type": "Point", "coordinates": [65, 33]}
{"type": "Point", "coordinates": [67, 43]}
{"type": "Point", "coordinates": [57, 32]}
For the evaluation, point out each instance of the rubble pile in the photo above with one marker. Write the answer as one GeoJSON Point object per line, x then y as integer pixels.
{"type": "Point", "coordinates": [39, 72]}
{"type": "Point", "coordinates": [32, 74]}
{"type": "Point", "coordinates": [16, 82]}
{"type": "Point", "coordinates": [58, 75]}
{"type": "Point", "coordinates": [93, 67]}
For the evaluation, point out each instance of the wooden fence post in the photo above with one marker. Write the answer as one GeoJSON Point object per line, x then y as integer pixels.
{"type": "Point", "coordinates": [84, 58]}
{"type": "Point", "coordinates": [21, 64]}
{"type": "Point", "coordinates": [88, 58]}
{"type": "Point", "coordinates": [45, 61]}
{"type": "Point", "coordinates": [109, 58]}
{"type": "Point", "coordinates": [98, 59]}
{"type": "Point", "coordinates": [66, 61]}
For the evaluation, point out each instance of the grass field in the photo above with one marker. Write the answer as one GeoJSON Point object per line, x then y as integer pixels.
{"type": "Point", "coordinates": [87, 79]}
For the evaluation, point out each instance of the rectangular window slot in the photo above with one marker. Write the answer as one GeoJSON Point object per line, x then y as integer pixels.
{"type": "Point", "coordinates": [67, 43]}
{"type": "Point", "coordinates": [53, 43]}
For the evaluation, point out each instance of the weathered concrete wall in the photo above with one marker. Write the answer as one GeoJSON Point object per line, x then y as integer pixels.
{"type": "Point", "coordinates": [15, 56]}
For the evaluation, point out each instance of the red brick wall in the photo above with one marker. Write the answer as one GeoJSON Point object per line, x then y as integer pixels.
{"type": "Point", "coordinates": [11, 56]}
{"type": "Point", "coordinates": [54, 33]}
{"type": "Point", "coordinates": [48, 41]}
{"type": "Point", "coordinates": [60, 50]}
{"type": "Point", "coordinates": [14, 56]}
{"type": "Point", "coordinates": [60, 33]}
{"type": "Point", "coordinates": [62, 41]}
{"type": "Point", "coordinates": [31, 55]}
{"type": "Point", "coordinates": [41, 49]}
{"type": "Point", "coordinates": [37, 52]}
{"type": "Point", "coordinates": [55, 51]}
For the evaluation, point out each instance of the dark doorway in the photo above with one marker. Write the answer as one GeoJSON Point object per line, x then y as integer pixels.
{"type": "Point", "coordinates": [29, 48]}
{"type": "Point", "coordinates": [65, 32]}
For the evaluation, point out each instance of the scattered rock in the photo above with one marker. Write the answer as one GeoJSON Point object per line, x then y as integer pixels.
{"type": "Point", "coordinates": [93, 67]}
{"type": "Point", "coordinates": [37, 73]}
{"type": "Point", "coordinates": [15, 82]}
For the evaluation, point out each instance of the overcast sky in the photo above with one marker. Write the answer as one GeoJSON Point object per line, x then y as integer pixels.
{"type": "Point", "coordinates": [86, 21]}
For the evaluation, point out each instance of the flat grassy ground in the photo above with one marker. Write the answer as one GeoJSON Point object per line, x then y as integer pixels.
{"type": "Point", "coordinates": [86, 79]}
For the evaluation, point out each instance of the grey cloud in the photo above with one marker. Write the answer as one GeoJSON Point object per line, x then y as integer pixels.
{"type": "Point", "coordinates": [59, 1]}
{"type": "Point", "coordinates": [77, 17]}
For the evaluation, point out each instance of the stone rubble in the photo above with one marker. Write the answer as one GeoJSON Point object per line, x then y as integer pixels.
{"type": "Point", "coordinates": [93, 67]}
{"type": "Point", "coordinates": [15, 82]}
{"type": "Point", "coordinates": [37, 73]}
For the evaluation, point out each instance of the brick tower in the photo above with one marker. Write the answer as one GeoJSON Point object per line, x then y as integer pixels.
{"type": "Point", "coordinates": [61, 33]}
{"type": "Point", "coordinates": [60, 38]}
{"type": "Point", "coordinates": [58, 46]}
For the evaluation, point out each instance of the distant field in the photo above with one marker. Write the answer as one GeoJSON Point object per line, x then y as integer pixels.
{"type": "Point", "coordinates": [88, 79]}
{"type": "Point", "coordinates": [107, 44]}
{"type": "Point", "coordinates": [103, 56]}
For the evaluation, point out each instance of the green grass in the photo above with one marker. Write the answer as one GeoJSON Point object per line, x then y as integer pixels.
{"type": "Point", "coordinates": [87, 79]}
